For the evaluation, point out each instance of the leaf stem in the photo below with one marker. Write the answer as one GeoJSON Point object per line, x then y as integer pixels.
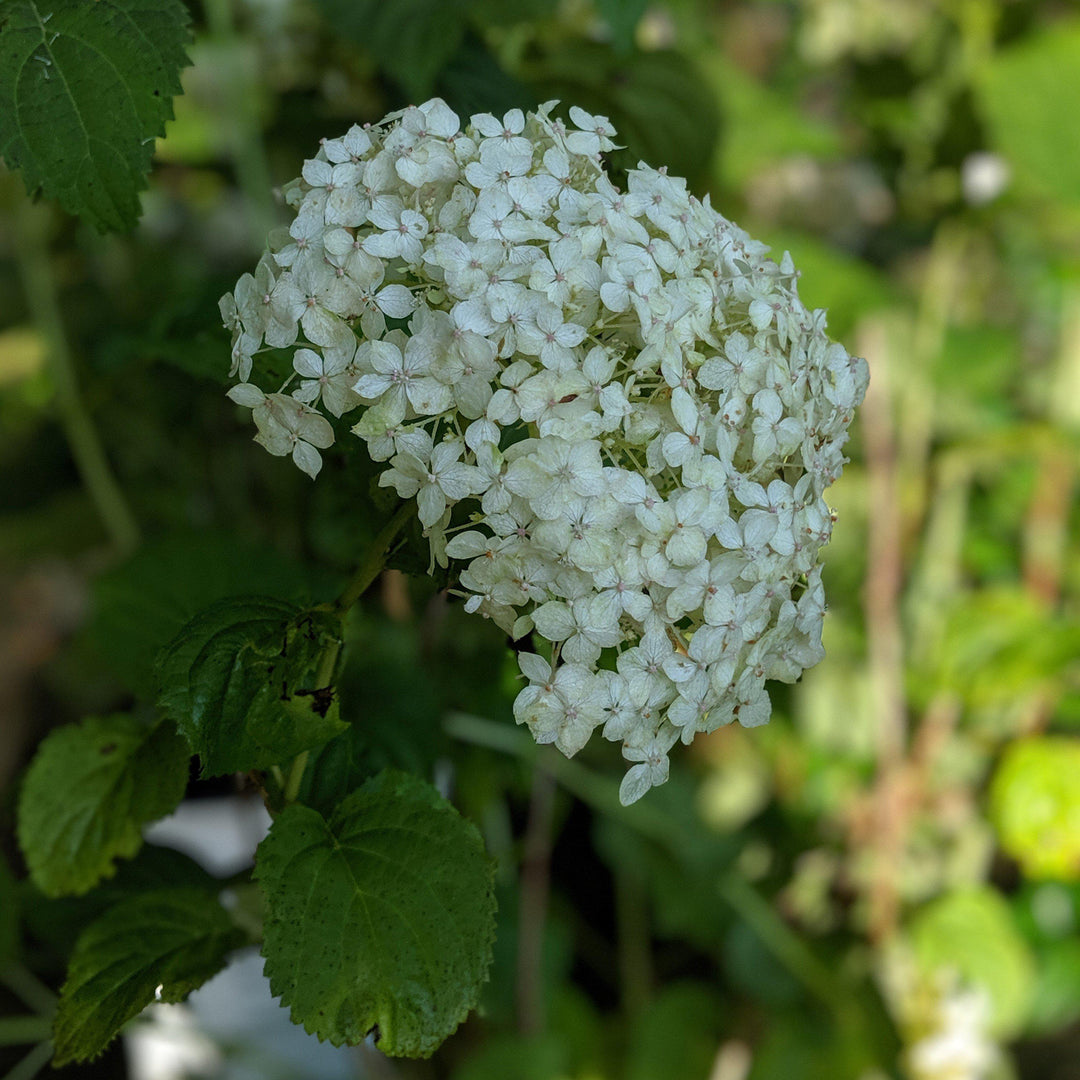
{"type": "Point", "coordinates": [35, 268]}
{"type": "Point", "coordinates": [374, 559]}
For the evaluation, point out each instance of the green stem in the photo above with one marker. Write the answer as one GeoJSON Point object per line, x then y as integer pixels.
{"type": "Point", "coordinates": [33, 1063]}
{"type": "Point", "coordinates": [35, 268]}
{"type": "Point", "coordinates": [370, 567]}
{"type": "Point", "coordinates": [781, 940]}
{"type": "Point", "coordinates": [374, 559]}
{"type": "Point", "coordinates": [29, 989]}
{"type": "Point", "coordinates": [245, 134]}
{"type": "Point", "coordinates": [22, 1030]}
{"type": "Point", "coordinates": [296, 775]}
{"type": "Point", "coordinates": [645, 818]}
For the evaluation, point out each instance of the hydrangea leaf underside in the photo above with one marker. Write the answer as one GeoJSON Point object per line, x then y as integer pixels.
{"type": "Point", "coordinates": [85, 88]}
{"type": "Point", "coordinates": [175, 939]}
{"type": "Point", "coordinates": [381, 918]}
{"type": "Point", "coordinates": [240, 682]}
{"type": "Point", "coordinates": [89, 791]}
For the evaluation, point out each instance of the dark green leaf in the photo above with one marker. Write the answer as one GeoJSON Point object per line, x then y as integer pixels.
{"type": "Point", "coordinates": [54, 924]}
{"type": "Point", "coordinates": [665, 115]}
{"type": "Point", "coordinates": [140, 606]}
{"type": "Point", "coordinates": [622, 17]}
{"type": "Point", "coordinates": [410, 40]}
{"type": "Point", "coordinates": [88, 792]}
{"type": "Point", "coordinates": [175, 939]}
{"type": "Point", "coordinates": [240, 681]}
{"type": "Point", "coordinates": [677, 1035]}
{"type": "Point", "coordinates": [381, 917]}
{"type": "Point", "coordinates": [472, 81]}
{"type": "Point", "coordinates": [84, 90]}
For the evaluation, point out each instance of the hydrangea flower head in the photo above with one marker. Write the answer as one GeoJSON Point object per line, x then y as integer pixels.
{"type": "Point", "coordinates": [615, 415]}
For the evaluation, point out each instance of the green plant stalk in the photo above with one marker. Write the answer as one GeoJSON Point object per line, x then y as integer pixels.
{"type": "Point", "coordinates": [33, 1063]}
{"type": "Point", "coordinates": [370, 567]}
{"type": "Point", "coordinates": [28, 988]}
{"type": "Point", "coordinates": [602, 795]}
{"type": "Point", "coordinates": [35, 269]}
{"type": "Point", "coordinates": [374, 560]}
{"type": "Point", "coordinates": [23, 1030]}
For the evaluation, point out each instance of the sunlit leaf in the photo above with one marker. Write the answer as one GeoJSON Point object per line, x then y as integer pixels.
{"type": "Point", "coordinates": [89, 791]}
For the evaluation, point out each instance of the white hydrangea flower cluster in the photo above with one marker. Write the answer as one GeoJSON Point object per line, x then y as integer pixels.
{"type": "Point", "coordinates": [636, 412]}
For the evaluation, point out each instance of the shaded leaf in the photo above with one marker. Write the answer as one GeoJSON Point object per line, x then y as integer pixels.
{"type": "Point", "coordinates": [175, 939]}
{"type": "Point", "coordinates": [381, 917]}
{"type": "Point", "coordinates": [240, 682]}
{"type": "Point", "coordinates": [663, 111]}
{"type": "Point", "coordinates": [410, 40]}
{"type": "Point", "coordinates": [84, 91]}
{"type": "Point", "coordinates": [141, 605]}
{"type": "Point", "coordinates": [88, 792]}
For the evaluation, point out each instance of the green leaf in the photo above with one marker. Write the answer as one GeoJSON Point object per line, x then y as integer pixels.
{"type": "Point", "coordinates": [88, 792]}
{"type": "Point", "coordinates": [410, 40]}
{"type": "Point", "coordinates": [1024, 92]}
{"type": "Point", "coordinates": [622, 17]}
{"type": "Point", "coordinates": [677, 1035]}
{"type": "Point", "coordinates": [973, 932]}
{"type": "Point", "coordinates": [175, 939]}
{"type": "Point", "coordinates": [84, 90]}
{"type": "Point", "coordinates": [380, 918]}
{"type": "Point", "coordinates": [141, 605]}
{"type": "Point", "coordinates": [664, 112]}
{"type": "Point", "coordinates": [240, 681]}
{"type": "Point", "coordinates": [1035, 806]}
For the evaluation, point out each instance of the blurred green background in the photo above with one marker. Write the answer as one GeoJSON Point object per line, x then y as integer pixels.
{"type": "Point", "coordinates": [885, 881]}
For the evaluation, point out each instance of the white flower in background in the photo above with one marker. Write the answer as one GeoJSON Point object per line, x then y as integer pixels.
{"type": "Point", "coordinates": [944, 1021]}
{"type": "Point", "coordinates": [617, 393]}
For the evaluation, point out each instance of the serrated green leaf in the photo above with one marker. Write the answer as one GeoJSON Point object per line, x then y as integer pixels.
{"type": "Point", "coordinates": [1035, 806]}
{"type": "Point", "coordinates": [175, 939]}
{"type": "Point", "coordinates": [410, 40]}
{"type": "Point", "coordinates": [85, 88]}
{"type": "Point", "coordinates": [141, 605]}
{"type": "Point", "coordinates": [380, 918]}
{"type": "Point", "coordinates": [88, 792]}
{"type": "Point", "coordinates": [240, 682]}
{"type": "Point", "coordinates": [973, 933]}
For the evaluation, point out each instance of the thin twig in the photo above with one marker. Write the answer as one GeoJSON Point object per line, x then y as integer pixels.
{"type": "Point", "coordinates": [35, 269]}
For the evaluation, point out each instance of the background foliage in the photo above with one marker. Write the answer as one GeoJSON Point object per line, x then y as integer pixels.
{"type": "Point", "coordinates": [808, 899]}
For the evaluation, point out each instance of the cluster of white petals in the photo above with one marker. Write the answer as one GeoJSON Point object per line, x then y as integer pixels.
{"type": "Point", "coordinates": [612, 409]}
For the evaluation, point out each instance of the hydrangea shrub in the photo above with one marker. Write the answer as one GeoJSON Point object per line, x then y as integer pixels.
{"type": "Point", "coordinates": [616, 416]}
